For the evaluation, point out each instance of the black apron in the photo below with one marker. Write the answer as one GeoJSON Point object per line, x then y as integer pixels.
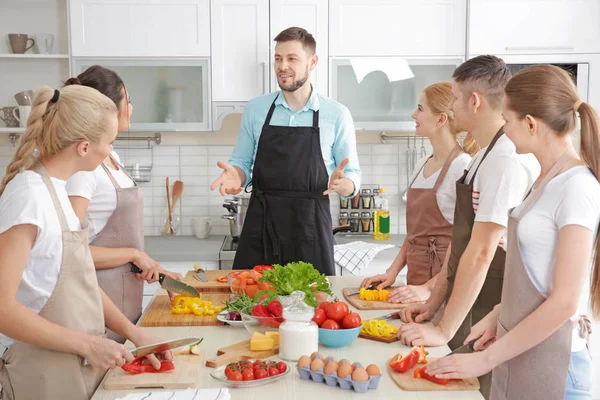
{"type": "Point", "coordinates": [288, 217]}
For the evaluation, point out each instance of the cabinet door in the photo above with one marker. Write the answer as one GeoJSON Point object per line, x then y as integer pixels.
{"type": "Point", "coordinates": [311, 15]}
{"type": "Point", "coordinates": [240, 49]}
{"type": "Point", "coordinates": [140, 28]}
{"type": "Point", "coordinates": [534, 26]}
{"type": "Point", "coordinates": [397, 27]}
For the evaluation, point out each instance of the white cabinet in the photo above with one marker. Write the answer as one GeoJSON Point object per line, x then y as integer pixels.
{"type": "Point", "coordinates": [140, 28]}
{"type": "Point", "coordinates": [534, 26]}
{"type": "Point", "coordinates": [397, 27]}
{"type": "Point", "coordinates": [167, 95]}
{"type": "Point", "coordinates": [240, 49]}
{"type": "Point", "coordinates": [311, 15]}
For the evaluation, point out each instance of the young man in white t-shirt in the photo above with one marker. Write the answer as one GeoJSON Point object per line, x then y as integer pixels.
{"type": "Point", "coordinates": [496, 181]}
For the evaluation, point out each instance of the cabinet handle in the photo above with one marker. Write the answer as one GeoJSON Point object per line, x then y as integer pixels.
{"type": "Point", "coordinates": [522, 48]}
{"type": "Point", "coordinates": [263, 66]}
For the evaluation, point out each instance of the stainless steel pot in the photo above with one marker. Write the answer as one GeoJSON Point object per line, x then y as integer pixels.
{"type": "Point", "coordinates": [237, 207]}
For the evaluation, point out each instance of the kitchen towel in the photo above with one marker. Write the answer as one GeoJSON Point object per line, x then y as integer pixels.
{"type": "Point", "coordinates": [355, 256]}
{"type": "Point", "coordinates": [187, 394]}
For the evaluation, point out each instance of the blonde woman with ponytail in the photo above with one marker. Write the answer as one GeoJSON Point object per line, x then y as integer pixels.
{"type": "Point", "coordinates": [431, 198]}
{"type": "Point", "coordinates": [539, 330]}
{"type": "Point", "coordinates": [52, 312]}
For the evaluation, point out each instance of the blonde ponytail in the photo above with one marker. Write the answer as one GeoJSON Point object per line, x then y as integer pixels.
{"type": "Point", "coordinates": [80, 114]}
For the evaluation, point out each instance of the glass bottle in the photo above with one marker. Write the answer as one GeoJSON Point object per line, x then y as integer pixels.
{"type": "Point", "coordinates": [381, 217]}
{"type": "Point", "coordinates": [298, 334]}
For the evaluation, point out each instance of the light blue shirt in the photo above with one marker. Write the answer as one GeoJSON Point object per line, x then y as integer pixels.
{"type": "Point", "coordinates": [337, 133]}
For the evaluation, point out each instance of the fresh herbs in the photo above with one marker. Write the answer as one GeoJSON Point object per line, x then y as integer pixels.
{"type": "Point", "coordinates": [297, 276]}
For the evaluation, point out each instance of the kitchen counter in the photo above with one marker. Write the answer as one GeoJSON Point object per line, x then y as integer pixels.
{"type": "Point", "coordinates": [292, 387]}
{"type": "Point", "coordinates": [183, 248]}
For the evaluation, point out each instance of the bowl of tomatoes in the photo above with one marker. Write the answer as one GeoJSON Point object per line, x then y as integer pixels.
{"type": "Point", "coordinates": [250, 373]}
{"type": "Point", "coordinates": [338, 327]}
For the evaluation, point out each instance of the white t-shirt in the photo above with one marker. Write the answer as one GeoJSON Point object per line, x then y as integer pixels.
{"type": "Point", "coordinates": [26, 200]}
{"type": "Point", "coordinates": [501, 183]}
{"type": "Point", "coordinates": [97, 187]}
{"type": "Point", "coordinates": [446, 194]}
{"type": "Point", "coordinates": [571, 198]}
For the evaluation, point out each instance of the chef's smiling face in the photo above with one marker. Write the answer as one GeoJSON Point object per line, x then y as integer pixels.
{"type": "Point", "coordinates": [426, 122]}
{"type": "Point", "coordinates": [293, 65]}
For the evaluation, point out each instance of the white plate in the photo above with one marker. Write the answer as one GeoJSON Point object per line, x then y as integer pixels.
{"type": "Point", "coordinates": [221, 317]}
{"type": "Point", "coordinates": [219, 374]}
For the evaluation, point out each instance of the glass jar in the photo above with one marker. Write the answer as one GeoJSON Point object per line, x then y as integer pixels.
{"type": "Point", "coordinates": [344, 201]}
{"type": "Point", "coordinates": [169, 223]}
{"type": "Point", "coordinates": [367, 199]}
{"type": "Point", "coordinates": [354, 221]}
{"type": "Point", "coordinates": [298, 334]}
{"type": "Point", "coordinates": [365, 218]}
{"type": "Point", "coordinates": [355, 202]}
{"type": "Point", "coordinates": [343, 218]}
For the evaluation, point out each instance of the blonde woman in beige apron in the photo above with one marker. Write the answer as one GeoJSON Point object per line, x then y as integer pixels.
{"type": "Point", "coordinates": [431, 199]}
{"type": "Point", "coordinates": [536, 339]}
{"type": "Point", "coordinates": [53, 312]}
{"type": "Point", "coordinates": [112, 202]}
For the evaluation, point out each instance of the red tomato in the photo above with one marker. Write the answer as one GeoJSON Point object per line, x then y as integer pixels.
{"type": "Point", "coordinates": [260, 373]}
{"type": "Point", "coordinates": [281, 366]}
{"type": "Point", "coordinates": [248, 375]}
{"type": "Point", "coordinates": [320, 317]}
{"type": "Point", "coordinates": [337, 311]}
{"type": "Point", "coordinates": [351, 320]}
{"type": "Point", "coordinates": [330, 324]}
{"type": "Point", "coordinates": [324, 306]}
{"type": "Point", "coordinates": [257, 363]}
{"type": "Point", "coordinates": [273, 371]}
{"type": "Point", "coordinates": [235, 376]}
{"type": "Point", "coordinates": [231, 367]}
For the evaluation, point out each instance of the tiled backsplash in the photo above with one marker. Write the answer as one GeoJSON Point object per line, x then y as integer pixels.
{"type": "Point", "coordinates": [196, 166]}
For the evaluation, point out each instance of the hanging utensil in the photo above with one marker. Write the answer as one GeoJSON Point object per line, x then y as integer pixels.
{"type": "Point", "coordinates": [414, 157]}
{"type": "Point", "coordinates": [423, 150]}
{"type": "Point", "coordinates": [168, 228]}
{"type": "Point", "coordinates": [177, 192]}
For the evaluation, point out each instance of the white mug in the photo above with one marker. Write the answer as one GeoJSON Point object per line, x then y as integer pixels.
{"type": "Point", "coordinates": [44, 43]}
{"type": "Point", "coordinates": [24, 112]}
{"type": "Point", "coordinates": [201, 227]}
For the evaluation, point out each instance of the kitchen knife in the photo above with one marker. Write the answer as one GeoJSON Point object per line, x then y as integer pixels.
{"type": "Point", "coordinates": [172, 285]}
{"type": "Point", "coordinates": [162, 346]}
{"type": "Point", "coordinates": [394, 315]}
{"type": "Point", "coordinates": [373, 286]}
{"type": "Point", "coordinates": [465, 348]}
{"type": "Point", "coordinates": [200, 275]}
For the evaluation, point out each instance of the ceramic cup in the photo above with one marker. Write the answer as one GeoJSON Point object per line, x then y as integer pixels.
{"type": "Point", "coordinates": [18, 42]}
{"type": "Point", "coordinates": [24, 98]}
{"type": "Point", "coordinates": [10, 116]}
{"type": "Point", "coordinates": [24, 112]}
{"type": "Point", "coordinates": [201, 227]}
{"type": "Point", "coordinates": [44, 43]}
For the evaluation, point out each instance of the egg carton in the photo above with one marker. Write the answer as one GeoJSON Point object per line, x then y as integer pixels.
{"type": "Point", "coordinates": [333, 380]}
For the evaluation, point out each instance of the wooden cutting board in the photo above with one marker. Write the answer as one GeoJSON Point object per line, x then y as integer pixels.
{"type": "Point", "coordinates": [159, 313]}
{"type": "Point", "coordinates": [407, 381]}
{"type": "Point", "coordinates": [379, 338]}
{"type": "Point", "coordinates": [185, 375]}
{"type": "Point", "coordinates": [212, 285]}
{"type": "Point", "coordinates": [239, 351]}
{"type": "Point", "coordinates": [359, 304]}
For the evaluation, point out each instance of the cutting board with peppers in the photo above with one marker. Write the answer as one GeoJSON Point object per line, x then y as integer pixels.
{"type": "Point", "coordinates": [239, 351]}
{"type": "Point", "coordinates": [212, 285]}
{"type": "Point", "coordinates": [159, 312]}
{"type": "Point", "coordinates": [359, 304]}
{"type": "Point", "coordinates": [185, 375]}
{"type": "Point", "coordinates": [382, 339]}
{"type": "Point", "coordinates": [407, 381]}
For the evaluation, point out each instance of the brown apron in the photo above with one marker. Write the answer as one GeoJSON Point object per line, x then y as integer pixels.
{"type": "Point", "coordinates": [31, 372]}
{"type": "Point", "coordinates": [428, 232]}
{"type": "Point", "coordinates": [491, 292]}
{"type": "Point", "coordinates": [125, 228]}
{"type": "Point", "coordinates": [540, 372]}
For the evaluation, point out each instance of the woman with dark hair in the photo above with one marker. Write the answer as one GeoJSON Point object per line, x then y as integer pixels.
{"type": "Point", "coordinates": [112, 203]}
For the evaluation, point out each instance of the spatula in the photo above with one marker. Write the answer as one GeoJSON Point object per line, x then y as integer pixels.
{"type": "Point", "coordinates": [177, 192]}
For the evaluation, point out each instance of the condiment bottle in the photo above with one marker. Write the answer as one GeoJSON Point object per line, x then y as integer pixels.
{"type": "Point", "coordinates": [298, 334]}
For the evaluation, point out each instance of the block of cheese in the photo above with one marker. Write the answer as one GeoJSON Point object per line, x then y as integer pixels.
{"type": "Point", "coordinates": [274, 336]}
{"type": "Point", "coordinates": [260, 342]}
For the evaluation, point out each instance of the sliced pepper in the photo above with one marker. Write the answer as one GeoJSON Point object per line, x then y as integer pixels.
{"type": "Point", "coordinates": [406, 362]}
{"type": "Point", "coordinates": [137, 367]}
{"type": "Point", "coordinates": [421, 373]}
{"type": "Point", "coordinates": [222, 279]}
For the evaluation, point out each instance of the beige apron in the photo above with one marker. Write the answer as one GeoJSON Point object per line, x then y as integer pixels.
{"type": "Point", "coordinates": [491, 291]}
{"type": "Point", "coordinates": [540, 372]}
{"type": "Point", "coordinates": [31, 372]}
{"type": "Point", "coordinates": [125, 228]}
{"type": "Point", "coordinates": [428, 231]}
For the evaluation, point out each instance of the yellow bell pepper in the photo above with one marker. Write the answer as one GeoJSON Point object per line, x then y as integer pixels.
{"type": "Point", "coordinates": [379, 328]}
{"type": "Point", "coordinates": [374, 295]}
{"type": "Point", "coordinates": [194, 305]}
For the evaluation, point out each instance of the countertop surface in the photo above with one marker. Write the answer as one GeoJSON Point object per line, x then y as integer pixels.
{"type": "Point", "coordinates": [292, 387]}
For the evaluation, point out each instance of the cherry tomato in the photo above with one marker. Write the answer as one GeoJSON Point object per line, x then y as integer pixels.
{"type": "Point", "coordinates": [257, 363]}
{"type": "Point", "coordinates": [235, 376]}
{"type": "Point", "coordinates": [273, 371]}
{"type": "Point", "coordinates": [337, 311]}
{"type": "Point", "coordinates": [248, 375]}
{"type": "Point", "coordinates": [351, 320]}
{"type": "Point", "coordinates": [260, 373]}
{"type": "Point", "coordinates": [330, 324]}
{"type": "Point", "coordinates": [281, 366]}
{"type": "Point", "coordinates": [320, 317]}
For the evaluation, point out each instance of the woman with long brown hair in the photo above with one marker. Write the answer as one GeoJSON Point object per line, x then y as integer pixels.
{"type": "Point", "coordinates": [52, 312]}
{"type": "Point", "coordinates": [538, 332]}
{"type": "Point", "coordinates": [431, 198]}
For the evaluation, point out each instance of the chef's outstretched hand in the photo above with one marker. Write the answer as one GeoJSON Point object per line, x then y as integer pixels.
{"type": "Point", "coordinates": [230, 181]}
{"type": "Point", "coordinates": [338, 183]}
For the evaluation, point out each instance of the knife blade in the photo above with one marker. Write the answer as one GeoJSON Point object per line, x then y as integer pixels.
{"type": "Point", "coordinates": [465, 348]}
{"type": "Point", "coordinates": [394, 315]}
{"type": "Point", "coordinates": [172, 285]}
{"type": "Point", "coordinates": [163, 346]}
{"type": "Point", "coordinates": [200, 275]}
{"type": "Point", "coordinates": [373, 286]}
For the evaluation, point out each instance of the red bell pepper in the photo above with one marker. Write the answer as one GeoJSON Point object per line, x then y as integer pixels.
{"type": "Point", "coordinates": [136, 366]}
{"type": "Point", "coordinates": [265, 317]}
{"type": "Point", "coordinates": [275, 308]}
{"type": "Point", "coordinates": [421, 373]}
{"type": "Point", "coordinates": [261, 268]}
{"type": "Point", "coordinates": [403, 364]}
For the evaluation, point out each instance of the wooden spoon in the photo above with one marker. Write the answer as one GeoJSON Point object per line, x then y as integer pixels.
{"type": "Point", "coordinates": [168, 222]}
{"type": "Point", "coordinates": [177, 192]}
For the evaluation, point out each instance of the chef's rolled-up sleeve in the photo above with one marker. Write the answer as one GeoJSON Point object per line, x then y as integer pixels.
{"type": "Point", "coordinates": [344, 146]}
{"type": "Point", "coordinates": [243, 153]}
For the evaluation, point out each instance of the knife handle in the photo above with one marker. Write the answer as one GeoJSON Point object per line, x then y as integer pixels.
{"type": "Point", "coordinates": [471, 343]}
{"type": "Point", "coordinates": [137, 270]}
